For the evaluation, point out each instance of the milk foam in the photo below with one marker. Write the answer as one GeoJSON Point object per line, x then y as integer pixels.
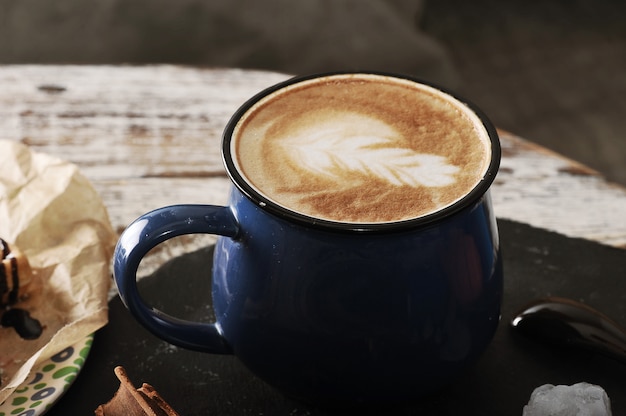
{"type": "Point", "coordinates": [351, 149]}
{"type": "Point", "coordinates": [361, 149]}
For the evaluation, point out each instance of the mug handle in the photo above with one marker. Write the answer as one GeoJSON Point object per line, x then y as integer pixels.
{"type": "Point", "coordinates": [138, 239]}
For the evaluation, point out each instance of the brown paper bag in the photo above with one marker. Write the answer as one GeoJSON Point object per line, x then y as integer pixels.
{"type": "Point", "coordinates": [57, 219]}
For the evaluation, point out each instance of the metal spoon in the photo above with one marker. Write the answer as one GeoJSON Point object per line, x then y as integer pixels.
{"type": "Point", "coordinates": [566, 322]}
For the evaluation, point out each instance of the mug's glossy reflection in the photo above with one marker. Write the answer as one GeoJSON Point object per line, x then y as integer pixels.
{"type": "Point", "coordinates": [333, 312]}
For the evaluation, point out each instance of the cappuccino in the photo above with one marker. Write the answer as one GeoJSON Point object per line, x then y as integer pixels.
{"type": "Point", "coordinates": [361, 148]}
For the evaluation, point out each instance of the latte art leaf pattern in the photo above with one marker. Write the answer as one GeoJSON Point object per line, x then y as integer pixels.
{"type": "Point", "coordinates": [360, 149]}
{"type": "Point", "coordinates": [329, 154]}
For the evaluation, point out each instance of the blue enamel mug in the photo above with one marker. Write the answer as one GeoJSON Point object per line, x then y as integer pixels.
{"type": "Point", "coordinates": [345, 300]}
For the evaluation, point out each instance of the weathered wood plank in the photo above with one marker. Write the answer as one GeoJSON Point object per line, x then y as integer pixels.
{"type": "Point", "coordinates": [149, 136]}
{"type": "Point", "coordinates": [541, 188]}
{"type": "Point", "coordinates": [119, 122]}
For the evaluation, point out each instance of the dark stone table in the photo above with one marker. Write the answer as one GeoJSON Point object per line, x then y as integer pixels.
{"type": "Point", "coordinates": [537, 263]}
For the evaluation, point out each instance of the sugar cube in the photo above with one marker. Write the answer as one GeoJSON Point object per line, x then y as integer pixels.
{"type": "Point", "coordinates": [582, 399]}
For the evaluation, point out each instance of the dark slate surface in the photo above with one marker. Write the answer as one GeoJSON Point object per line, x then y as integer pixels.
{"type": "Point", "coordinates": [537, 264]}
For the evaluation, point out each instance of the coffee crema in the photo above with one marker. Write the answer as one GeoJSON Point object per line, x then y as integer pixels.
{"type": "Point", "coordinates": [361, 148]}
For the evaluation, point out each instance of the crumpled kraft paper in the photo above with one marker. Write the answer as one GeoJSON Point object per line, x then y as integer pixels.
{"type": "Point", "coordinates": [51, 212]}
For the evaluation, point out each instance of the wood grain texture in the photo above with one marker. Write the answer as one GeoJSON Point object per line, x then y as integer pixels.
{"type": "Point", "coordinates": [541, 188]}
{"type": "Point", "coordinates": [149, 136]}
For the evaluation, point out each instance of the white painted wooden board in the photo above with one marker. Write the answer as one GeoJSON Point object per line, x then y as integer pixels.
{"type": "Point", "coordinates": [149, 136]}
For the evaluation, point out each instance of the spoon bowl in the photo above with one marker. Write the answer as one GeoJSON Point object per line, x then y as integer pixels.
{"type": "Point", "coordinates": [567, 323]}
